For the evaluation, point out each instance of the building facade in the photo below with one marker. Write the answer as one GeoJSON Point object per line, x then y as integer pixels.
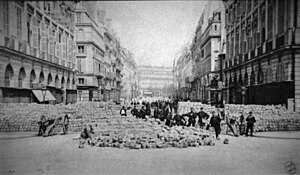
{"type": "Point", "coordinates": [205, 51]}
{"type": "Point", "coordinates": [155, 81]}
{"type": "Point", "coordinates": [90, 52]}
{"type": "Point", "coordinates": [130, 79]}
{"type": "Point", "coordinates": [262, 56]}
{"type": "Point", "coordinates": [37, 52]}
{"type": "Point", "coordinates": [98, 55]}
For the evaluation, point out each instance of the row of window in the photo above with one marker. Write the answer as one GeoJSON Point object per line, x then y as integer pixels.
{"type": "Point", "coordinates": [252, 33]}
{"type": "Point", "coordinates": [47, 40]}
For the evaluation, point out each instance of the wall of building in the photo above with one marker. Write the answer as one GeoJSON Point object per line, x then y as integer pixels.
{"type": "Point", "coordinates": [33, 42]}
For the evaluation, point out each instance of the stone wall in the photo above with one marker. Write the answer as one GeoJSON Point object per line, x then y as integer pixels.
{"type": "Point", "coordinates": [269, 117]}
{"type": "Point", "coordinates": [24, 117]}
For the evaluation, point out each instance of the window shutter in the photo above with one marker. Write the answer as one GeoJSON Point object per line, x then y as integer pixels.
{"type": "Point", "coordinates": [51, 45]}
{"type": "Point", "coordinates": [70, 51]}
{"type": "Point", "coordinates": [24, 25]}
{"type": "Point", "coordinates": [35, 34]}
{"type": "Point", "coordinates": [12, 17]}
{"type": "Point", "coordinates": [67, 47]}
{"type": "Point", "coordinates": [63, 45]}
{"type": "Point", "coordinates": [57, 50]}
{"type": "Point", "coordinates": [82, 65]}
{"type": "Point", "coordinates": [43, 44]}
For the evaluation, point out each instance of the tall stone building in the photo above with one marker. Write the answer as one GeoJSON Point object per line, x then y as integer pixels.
{"type": "Point", "coordinates": [153, 81]}
{"type": "Point", "coordinates": [98, 55]}
{"type": "Point", "coordinates": [90, 53]}
{"type": "Point", "coordinates": [262, 57]}
{"type": "Point", "coordinates": [37, 61]}
{"type": "Point", "coordinates": [205, 49]}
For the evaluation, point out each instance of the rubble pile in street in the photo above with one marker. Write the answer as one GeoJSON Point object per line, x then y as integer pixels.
{"type": "Point", "coordinates": [268, 117]}
{"type": "Point", "coordinates": [139, 134]}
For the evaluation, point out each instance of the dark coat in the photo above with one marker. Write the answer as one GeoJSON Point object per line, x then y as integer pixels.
{"type": "Point", "coordinates": [250, 119]}
{"type": "Point", "coordinates": [134, 111]}
{"type": "Point", "coordinates": [215, 121]}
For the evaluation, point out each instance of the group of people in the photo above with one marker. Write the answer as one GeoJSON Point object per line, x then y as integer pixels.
{"type": "Point", "coordinates": [166, 112]}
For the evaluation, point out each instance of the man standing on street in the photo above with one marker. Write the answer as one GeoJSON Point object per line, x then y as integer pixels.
{"type": "Point", "coordinates": [191, 117]}
{"type": "Point", "coordinates": [202, 115]}
{"type": "Point", "coordinates": [250, 124]}
{"type": "Point", "coordinates": [134, 111]}
{"type": "Point", "coordinates": [241, 123]}
{"type": "Point", "coordinates": [215, 122]}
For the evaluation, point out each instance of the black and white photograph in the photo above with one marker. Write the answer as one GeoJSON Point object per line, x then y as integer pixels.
{"type": "Point", "coordinates": [161, 87]}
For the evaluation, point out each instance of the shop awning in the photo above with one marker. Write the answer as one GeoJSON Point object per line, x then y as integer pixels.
{"type": "Point", "coordinates": [39, 95]}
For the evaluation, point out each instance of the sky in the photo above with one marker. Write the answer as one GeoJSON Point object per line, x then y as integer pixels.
{"type": "Point", "coordinates": [154, 31]}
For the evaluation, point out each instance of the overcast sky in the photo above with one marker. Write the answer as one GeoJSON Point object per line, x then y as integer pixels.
{"type": "Point", "coordinates": [154, 31]}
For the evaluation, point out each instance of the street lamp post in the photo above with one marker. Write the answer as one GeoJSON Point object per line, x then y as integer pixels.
{"type": "Point", "coordinates": [44, 91]}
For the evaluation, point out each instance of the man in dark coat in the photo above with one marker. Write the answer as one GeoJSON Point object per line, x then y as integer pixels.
{"type": "Point", "coordinates": [241, 123]}
{"type": "Point", "coordinates": [134, 111]}
{"type": "Point", "coordinates": [215, 122]}
{"type": "Point", "coordinates": [191, 117]}
{"type": "Point", "coordinates": [142, 113]}
{"type": "Point", "coordinates": [177, 119]}
{"type": "Point", "coordinates": [202, 115]}
{"type": "Point", "coordinates": [250, 124]}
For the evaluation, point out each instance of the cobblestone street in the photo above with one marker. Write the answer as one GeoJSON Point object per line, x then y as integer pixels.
{"type": "Point", "coordinates": [266, 153]}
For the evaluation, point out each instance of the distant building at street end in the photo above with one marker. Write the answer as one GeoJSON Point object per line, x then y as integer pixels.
{"type": "Point", "coordinates": [37, 61]}
{"type": "Point", "coordinates": [155, 81]}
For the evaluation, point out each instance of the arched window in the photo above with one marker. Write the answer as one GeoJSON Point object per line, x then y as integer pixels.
{"type": "Point", "coordinates": [269, 75]}
{"type": "Point", "coordinates": [42, 78]}
{"type": "Point", "coordinates": [62, 82]}
{"type": "Point", "coordinates": [49, 81]}
{"type": "Point", "coordinates": [68, 83]}
{"type": "Point", "coordinates": [22, 76]}
{"type": "Point", "coordinates": [73, 83]}
{"type": "Point", "coordinates": [56, 81]}
{"type": "Point", "coordinates": [9, 73]}
{"type": "Point", "coordinates": [260, 76]}
{"type": "Point", "coordinates": [32, 78]}
{"type": "Point", "coordinates": [240, 82]}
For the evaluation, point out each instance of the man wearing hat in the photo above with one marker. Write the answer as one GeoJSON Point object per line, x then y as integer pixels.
{"type": "Point", "coordinates": [250, 124]}
{"type": "Point", "coordinates": [215, 122]}
{"type": "Point", "coordinates": [202, 115]}
{"type": "Point", "coordinates": [191, 117]}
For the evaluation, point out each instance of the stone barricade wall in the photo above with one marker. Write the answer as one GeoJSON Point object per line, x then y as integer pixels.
{"type": "Point", "coordinates": [24, 116]}
{"type": "Point", "coordinates": [268, 117]}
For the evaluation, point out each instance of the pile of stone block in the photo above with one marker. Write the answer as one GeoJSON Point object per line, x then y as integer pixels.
{"type": "Point", "coordinates": [138, 134]}
{"type": "Point", "coordinates": [268, 117]}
